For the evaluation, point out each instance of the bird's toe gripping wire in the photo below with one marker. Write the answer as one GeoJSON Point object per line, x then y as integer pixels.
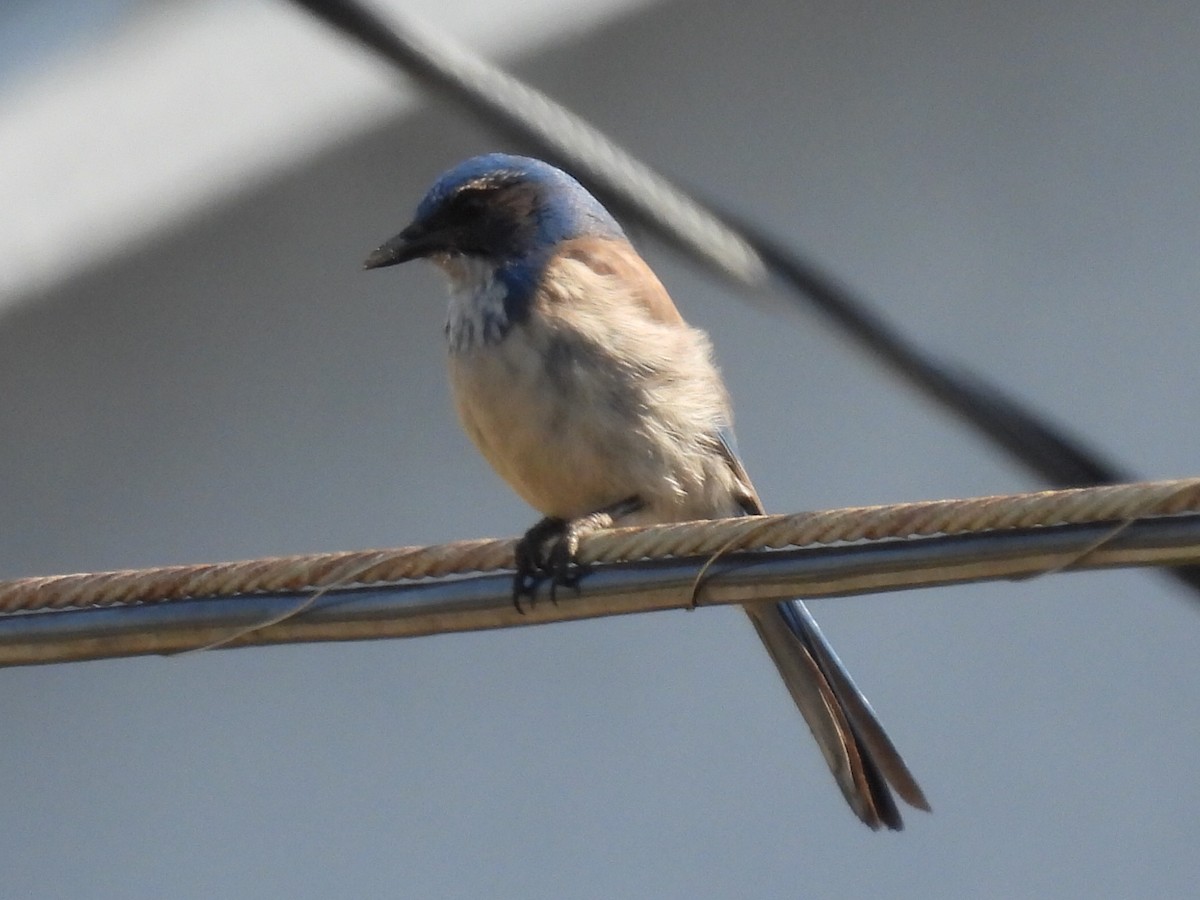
{"type": "Point", "coordinates": [547, 551]}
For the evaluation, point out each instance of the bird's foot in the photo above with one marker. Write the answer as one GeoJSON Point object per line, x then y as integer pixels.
{"type": "Point", "coordinates": [547, 551]}
{"type": "Point", "coordinates": [538, 554]}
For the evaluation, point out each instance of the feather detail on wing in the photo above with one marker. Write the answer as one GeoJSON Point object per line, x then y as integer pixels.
{"type": "Point", "coordinates": [620, 261]}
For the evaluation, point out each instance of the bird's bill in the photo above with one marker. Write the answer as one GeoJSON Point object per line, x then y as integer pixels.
{"type": "Point", "coordinates": [412, 243]}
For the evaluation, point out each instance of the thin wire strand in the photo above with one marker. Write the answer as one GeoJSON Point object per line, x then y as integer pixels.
{"type": "Point", "coordinates": [345, 577]}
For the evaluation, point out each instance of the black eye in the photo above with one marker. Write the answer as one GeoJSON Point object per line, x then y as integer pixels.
{"type": "Point", "coordinates": [471, 203]}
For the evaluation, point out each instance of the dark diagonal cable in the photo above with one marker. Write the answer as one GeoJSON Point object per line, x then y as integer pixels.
{"type": "Point", "coordinates": [1042, 446]}
{"type": "Point", "coordinates": [736, 248]}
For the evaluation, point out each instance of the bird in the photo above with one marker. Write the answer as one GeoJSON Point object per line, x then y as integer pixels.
{"type": "Point", "coordinates": [579, 381]}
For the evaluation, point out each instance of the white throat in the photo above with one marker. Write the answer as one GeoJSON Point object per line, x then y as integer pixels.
{"type": "Point", "coordinates": [476, 313]}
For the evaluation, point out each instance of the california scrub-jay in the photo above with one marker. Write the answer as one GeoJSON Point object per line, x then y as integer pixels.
{"type": "Point", "coordinates": [579, 381]}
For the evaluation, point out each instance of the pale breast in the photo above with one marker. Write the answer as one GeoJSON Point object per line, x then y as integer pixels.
{"type": "Point", "coordinates": [591, 398]}
{"type": "Point", "coordinates": [555, 432]}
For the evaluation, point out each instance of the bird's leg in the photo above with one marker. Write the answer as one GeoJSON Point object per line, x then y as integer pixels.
{"type": "Point", "coordinates": [548, 549]}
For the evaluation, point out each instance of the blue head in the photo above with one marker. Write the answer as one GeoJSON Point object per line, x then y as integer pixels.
{"type": "Point", "coordinates": [509, 212]}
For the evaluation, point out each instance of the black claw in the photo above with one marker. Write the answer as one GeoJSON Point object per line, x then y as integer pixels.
{"type": "Point", "coordinates": [527, 576]}
{"type": "Point", "coordinates": [547, 552]}
{"type": "Point", "coordinates": [566, 575]}
{"type": "Point", "coordinates": [536, 556]}
{"type": "Point", "coordinates": [559, 560]}
{"type": "Point", "coordinates": [520, 589]}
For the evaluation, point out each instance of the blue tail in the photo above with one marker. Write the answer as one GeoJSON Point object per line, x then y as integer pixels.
{"type": "Point", "coordinates": [861, 756]}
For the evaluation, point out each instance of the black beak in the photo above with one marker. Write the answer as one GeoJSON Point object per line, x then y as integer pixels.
{"type": "Point", "coordinates": [412, 243]}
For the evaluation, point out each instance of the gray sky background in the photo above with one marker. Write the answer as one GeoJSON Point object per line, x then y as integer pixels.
{"type": "Point", "coordinates": [1017, 184]}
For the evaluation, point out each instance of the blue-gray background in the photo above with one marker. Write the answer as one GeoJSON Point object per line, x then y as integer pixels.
{"type": "Point", "coordinates": [1019, 185]}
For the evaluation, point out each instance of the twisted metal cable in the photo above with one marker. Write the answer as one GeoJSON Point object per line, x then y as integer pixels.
{"type": "Point", "coordinates": [293, 574]}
